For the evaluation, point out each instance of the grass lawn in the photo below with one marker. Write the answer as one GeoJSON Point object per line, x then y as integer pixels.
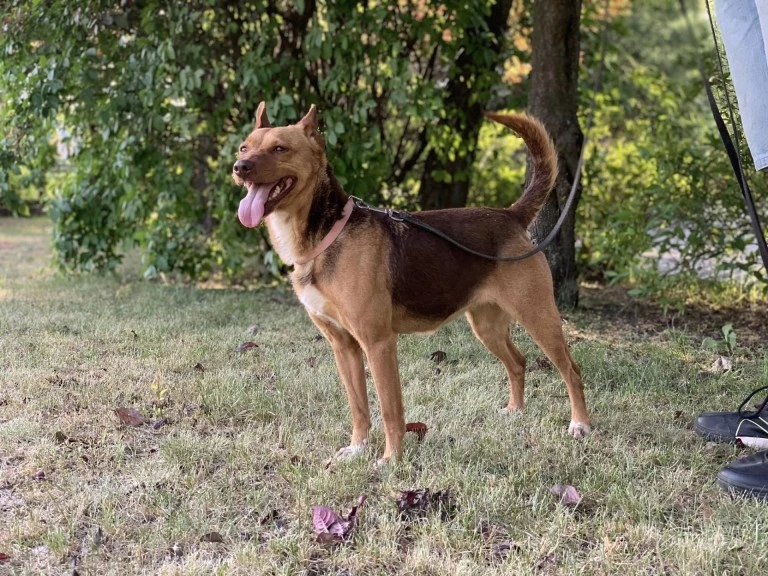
{"type": "Point", "coordinates": [243, 451]}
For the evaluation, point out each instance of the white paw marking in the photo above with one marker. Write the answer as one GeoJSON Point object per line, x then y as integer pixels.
{"type": "Point", "coordinates": [579, 429]}
{"type": "Point", "coordinates": [510, 411]}
{"type": "Point", "coordinates": [351, 451]}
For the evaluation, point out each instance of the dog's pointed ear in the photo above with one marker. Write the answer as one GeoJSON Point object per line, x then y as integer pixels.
{"type": "Point", "coordinates": [309, 122]}
{"type": "Point", "coordinates": [261, 116]}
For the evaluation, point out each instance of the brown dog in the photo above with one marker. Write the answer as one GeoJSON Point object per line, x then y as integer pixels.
{"type": "Point", "coordinates": [364, 278]}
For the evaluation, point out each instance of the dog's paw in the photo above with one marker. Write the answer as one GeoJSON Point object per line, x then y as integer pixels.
{"type": "Point", "coordinates": [351, 451]}
{"type": "Point", "coordinates": [510, 410]}
{"type": "Point", "coordinates": [579, 429]}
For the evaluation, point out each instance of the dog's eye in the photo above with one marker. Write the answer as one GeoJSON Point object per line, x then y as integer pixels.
{"type": "Point", "coordinates": [243, 148]}
{"type": "Point", "coordinates": [280, 149]}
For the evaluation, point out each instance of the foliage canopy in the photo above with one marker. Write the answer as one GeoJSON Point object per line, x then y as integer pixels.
{"type": "Point", "coordinates": [129, 115]}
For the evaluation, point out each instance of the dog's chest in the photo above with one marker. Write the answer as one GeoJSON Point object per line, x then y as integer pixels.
{"type": "Point", "coordinates": [316, 304]}
{"type": "Point", "coordinates": [284, 239]}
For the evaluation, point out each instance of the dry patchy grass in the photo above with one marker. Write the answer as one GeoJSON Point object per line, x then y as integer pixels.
{"type": "Point", "coordinates": [247, 435]}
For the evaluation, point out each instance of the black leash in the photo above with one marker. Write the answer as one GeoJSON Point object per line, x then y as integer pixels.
{"type": "Point", "coordinates": [402, 216]}
{"type": "Point", "coordinates": [730, 147]}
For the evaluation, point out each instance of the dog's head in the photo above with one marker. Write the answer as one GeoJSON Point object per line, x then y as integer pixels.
{"type": "Point", "coordinates": [278, 166]}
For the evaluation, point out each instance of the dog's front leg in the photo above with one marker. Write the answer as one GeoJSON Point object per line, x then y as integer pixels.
{"type": "Point", "coordinates": [382, 359]}
{"type": "Point", "coordinates": [349, 361]}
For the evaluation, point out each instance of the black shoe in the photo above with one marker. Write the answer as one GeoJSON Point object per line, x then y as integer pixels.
{"type": "Point", "coordinates": [749, 427]}
{"type": "Point", "coordinates": [748, 476]}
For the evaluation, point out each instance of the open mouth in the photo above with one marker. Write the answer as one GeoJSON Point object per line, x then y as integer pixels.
{"type": "Point", "coordinates": [261, 199]}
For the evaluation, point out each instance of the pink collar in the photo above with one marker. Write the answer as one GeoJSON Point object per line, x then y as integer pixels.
{"type": "Point", "coordinates": [333, 233]}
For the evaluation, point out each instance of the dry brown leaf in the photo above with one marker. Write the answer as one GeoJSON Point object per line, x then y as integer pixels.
{"type": "Point", "coordinates": [721, 364]}
{"type": "Point", "coordinates": [246, 346]}
{"type": "Point", "coordinates": [418, 428]}
{"type": "Point", "coordinates": [130, 417]}
{"type": "Point", "coordinates": [212, 537]}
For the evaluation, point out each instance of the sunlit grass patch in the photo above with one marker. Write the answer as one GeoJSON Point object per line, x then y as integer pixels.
{"type": "Point", "coordinates": [246, 437]}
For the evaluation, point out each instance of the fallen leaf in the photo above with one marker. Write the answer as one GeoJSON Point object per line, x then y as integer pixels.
{"type": "Point", "coordinates": [130, 417]}
{"type": "Point", "coordinates": [160, 423]}
{"type": "Point", "coordinates": [98, 536]}
{"type": "Point", "coordinates": [418, 428]}
{"type": "Point", "coordinates": [326, 521]}
{"type": "Point", "coordinates": [500, 550]}
{"type": "Point", "coordinates": [246, 346]}
{"type": "Point", "coordinates": [545, 563]}
{"type": "Point", "coordinates": [212, 537]}
{"type": "Point", "coordinates": [568, 495]}
{"type": "Point", "coordinates": [4, 557]}
{"type": "Point", "coordinates": [270, 516]}
{"type": "Point", "coordinates": [330, 528]}
{"type": "Point", "coordinates": [722, 364]}
{"type": "Point", "coordinates": [437, 356]}
{"type": "Point", "coordinates": [198, 367]}
{"type": "Point", "coordinates": [328, 538]}
{"type": "Point", "coordinates": [413, 504]}
{"type": "Point", "coordinates": [497, 540]}
{"type": "Point", "coordinates": [312, 360]}
{"type": "Point", "coordinates": [39, 475]}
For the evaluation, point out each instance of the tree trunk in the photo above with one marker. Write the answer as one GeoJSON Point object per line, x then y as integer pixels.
{"type": "Point", "coordinates": [445, 182]}
{"type": "Point", "coordinates": [554, 100]}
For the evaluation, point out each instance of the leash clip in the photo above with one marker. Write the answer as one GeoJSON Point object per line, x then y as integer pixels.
{"type": "Point", "coordinates": [395, 215]}
{"type": "Point", "coordinates": [361, 204]}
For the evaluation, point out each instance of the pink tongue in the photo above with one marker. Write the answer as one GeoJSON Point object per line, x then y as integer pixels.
{"type": "Point", "coordinates": [251, 207]}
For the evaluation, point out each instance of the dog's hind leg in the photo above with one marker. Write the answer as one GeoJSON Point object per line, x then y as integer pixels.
{"type": "Point", "coordinates": [349, 361]}
{"type": "Point", "coordinates": [542, 321]}
{"type": "Point", "coordinates": [491, 326]}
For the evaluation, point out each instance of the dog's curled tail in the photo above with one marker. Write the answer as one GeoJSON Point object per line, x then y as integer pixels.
{"type": "Point", "coordinates": [544, 159]}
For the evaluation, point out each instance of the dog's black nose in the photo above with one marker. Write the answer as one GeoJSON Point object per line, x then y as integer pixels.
{"type": "Point", "coordinates": [242, 167]}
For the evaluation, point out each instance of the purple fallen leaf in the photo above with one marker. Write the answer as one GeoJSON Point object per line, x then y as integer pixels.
{"type": "Point", "coordinates": [568, 494]}
{"type": "Point", "coordinates": [330, 528]}
{"type": "Point", "coordinates": [160, 423]}
{"type": "Point", "coordinates": [326, 520]}
{"type": "Point", "coordinates": [40, 475]}
{"type": "Point", "coordinates": [4, 557]}
{"type": "Point", "coordinates": [130, 417]}
{"type": "Point", "coordinates": [246, 346]}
